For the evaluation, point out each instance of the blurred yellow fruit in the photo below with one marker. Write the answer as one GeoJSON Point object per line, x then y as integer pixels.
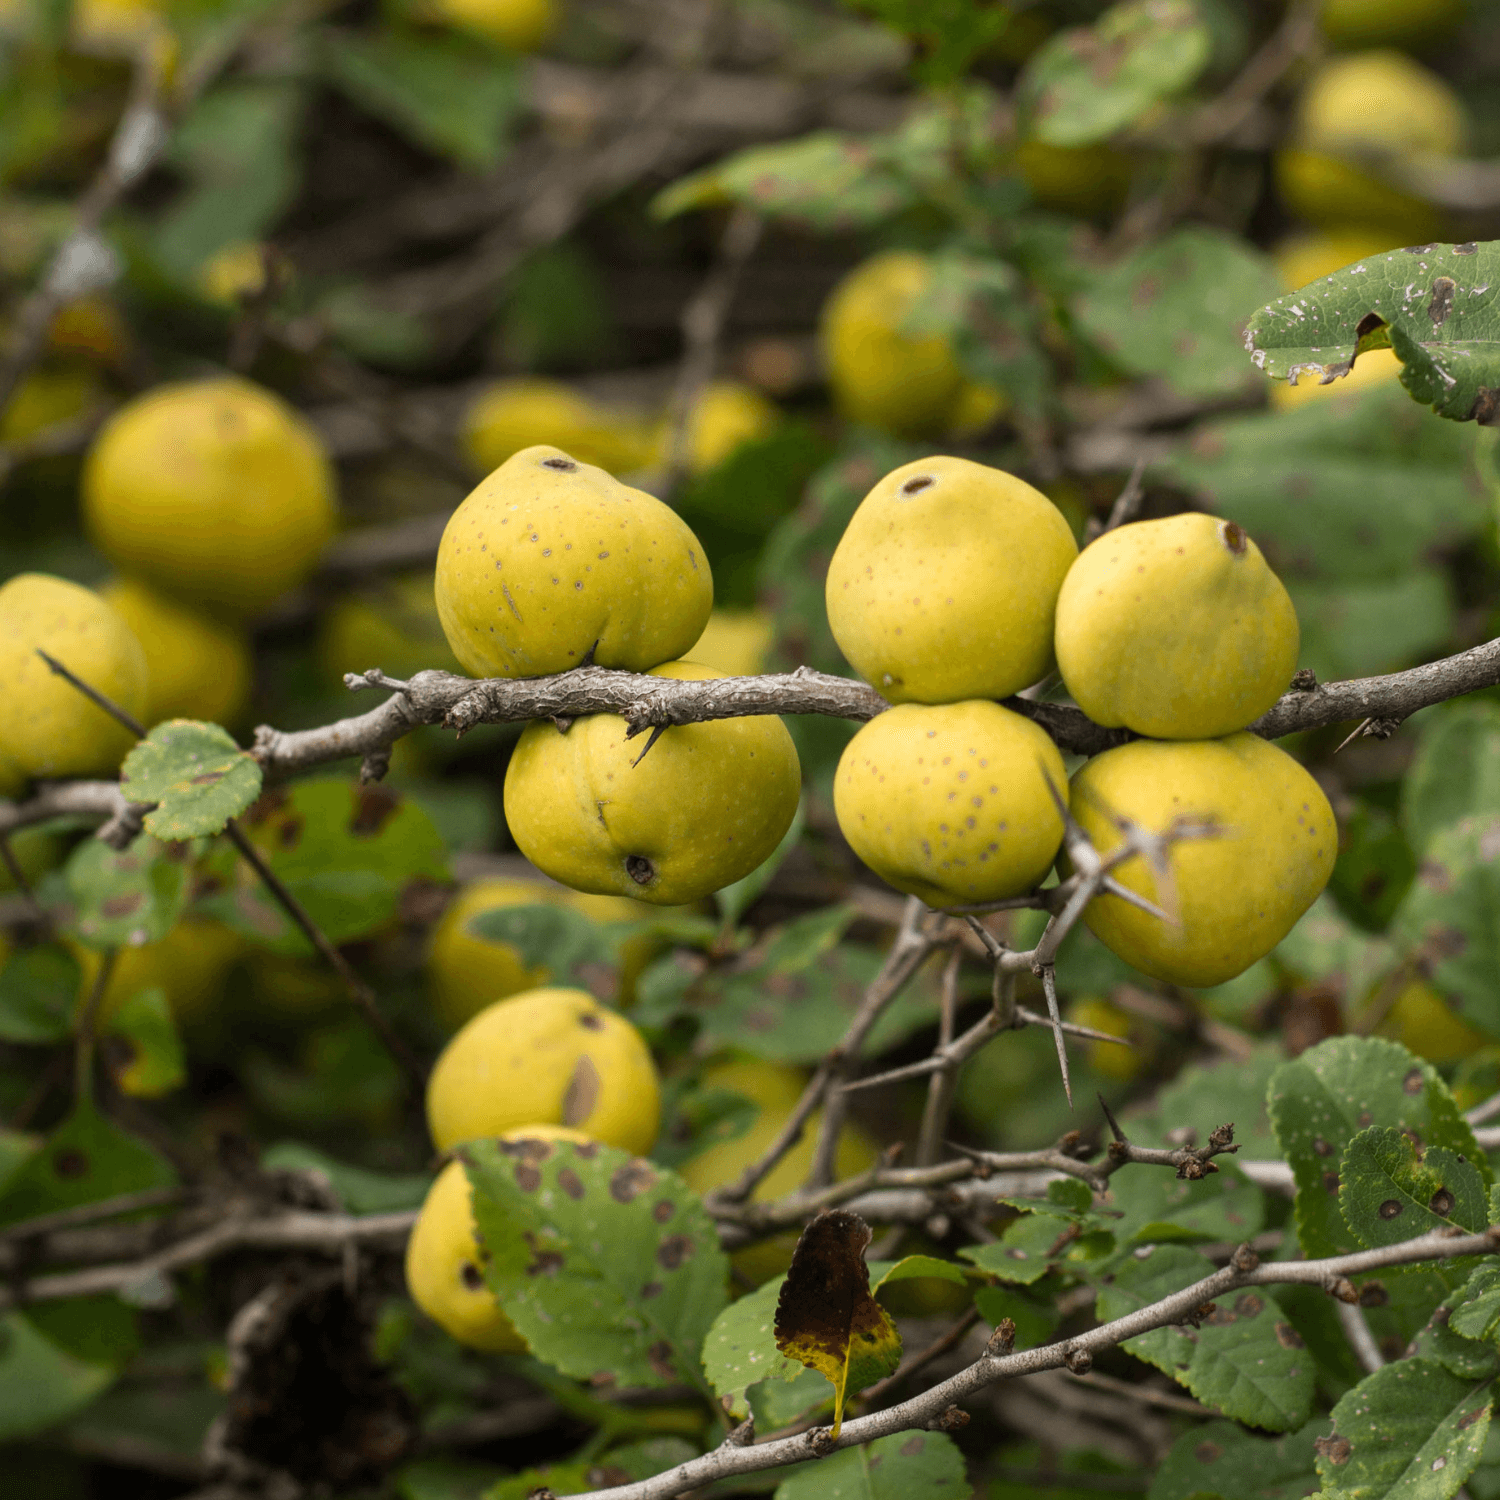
{"type": "Point", "coordinates": [735, 642]}
{"type": "Point", "coordinates": [554, 1056]}
{"type": "Point", "coordinates": [46, 398]}
{"type": "Point", "coordinates": [391, 623]}
{"type": "Point", "coordinates": [515, 414]}
{"type": "Point", "coordinates": [1374, 367]}
{"type": "Point", "coordinates": [950, 802]}
{"type": "Point", "coordinates": [1234, 896]}
{"type": "Point", "coordinates": [196, 667]}
{"type": "Point", "coordinates": [1082, 180]}
{"type": "Point", "coordinates": [516, 25]}
{"type": "Point", "coordinates": [233, 273]}
{"type": "Point", "coordinates": [49, 728]}
{"type": "Point", "coordinates": [190, 965]}
{"type": "Point", "coordinates": [116, 27]}
{"type": "Point", "coordinates": [1105, 1058]}
{"type": "Point", "coordinates": [1374, 23]}
{"type": "Point", "coordinates": [775, 1089]}
{"type": "Point", "coordinates": [213, 490]}
{"type": "Point", "coordinates": [727, 414]}
{"type": "Point", "coordinates": [882, 376]}
{"type": "Point", "coordinates": [708, 804]}
{"type": "Point", "coordinates": [550, 561]}
{"type": "Point", "coordinates": [1303, 258]}
{"type": "Point", "coordinates": [1424, 1023]}
{"type": "Point", "coordinates": [944, 583]}
{"type": "Point", "coordinates": [1175, 628]}
{"type": "Point", "coordinates": [444, 1259]}
{"type": "Point", "coordinates": [90, 327]}
{"type": "Point", "coordinates": [976, 409]}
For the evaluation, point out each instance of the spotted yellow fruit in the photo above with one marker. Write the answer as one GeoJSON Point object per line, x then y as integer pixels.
{"type": "Point", "coordinates": [706, 805]}
{"type": "Point", "coordinates": [214, 490]}
{"type": "Point", "coordinates": [950, 802]}
{"type": "Point", "coordinates": [49, 728]}
{"type": "Point", "coordinates": [550, 1056]}
{"type": "Point", "coordinates": [551, 561]}
{"type": "Point", "coordinates": [445, 1260]}
{"type": "Point", "coordinates": [944, 584]}
{"type": "Point", "coordinates": [1233, 896]}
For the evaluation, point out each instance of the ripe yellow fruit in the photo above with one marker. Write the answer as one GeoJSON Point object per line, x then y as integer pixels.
{"type": "Point", "coordinates": [944, 584]}
{"type": "Point", "coordinates": [515, 414]}
{"type": "Point", "coordinates": [549, 560]}
{"type": "Point", "coordinates": [950, 802]}
{"type": "Point", "coordinates": [736, 642]}
{"type": "Point", "coordinates": [1083, 180]}
{"type": "Point", "coordinates": [903, 383]}
{"type": "Point", "coordinates": [392, 624]}
{"type": "Point", "coordinates": [1424, 1023]}
{"type": "Point", "coordinates": [1373, 23]}
{"type": "Point", "coordinates": [196, 667]}
{"type": "Point", "coordinates": [727, 414]}
{"type": "Point", "coordinates": [707, 805]}
{"type": "Point", "coordinates": [1109, 1059]}
{"type": "Point", "coordinates": [444, 1258]}
{"type": "Point", "coordinates": [554, 1056]}
{"type": "Point", "coordinates": [1374, 367]}
{"type": "Point", "coordinates": [214, 490]}
{"type": "Point", "coordinates": [516, 25]}
{"type": "Point", "coordinates": [189, 965]}
{"type": "Point", "coordinates": [465, 973]}
{"type": "Point", "coordinates": [49, 728]}
{"type": "Point", "coordinates": [1365, 108]}
{"type": "Point", "coordinates": [976, 409]}
{"type": "Point", "coordinates": [1304, 258]}
{"type": "Point", "coordinates": [1236, 895]}
{"type": "Point", "coordinates": [1175, 628]}
{"type": "Point", "coordinates": [775, 1088]}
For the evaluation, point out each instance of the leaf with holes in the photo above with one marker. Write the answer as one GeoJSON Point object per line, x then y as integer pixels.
{"type": "Point", "coordinates": [1321, 1100]}
{"type": "Point", "coordinates": [607, 1264]}
{"type": "Point", "coordinates": [903, 1466]}
{"type": "Point", "coordinates": [826, 1316]}
{"type": "Point", "coordinates": [197, 776]}
{"type": "Point", "coordinates": [1088, 82]}
{"type": "Point", "coordinates": [1410, 1431]}
{"type": "Point", "coordinates": [1435, 305]}
{"type": "Point", "coordinates": [1393, 1189]}
{"type": "Point", "coordinates": [38, 992]}
{"type": "Point", "coordinates": [117, 898]}
{"type": "Point", "coordinates": [1221, 1459]}
{"type": "Point", "coordinates": [1244, 1358]}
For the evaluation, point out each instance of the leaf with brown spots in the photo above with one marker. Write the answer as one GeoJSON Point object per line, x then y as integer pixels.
{"type": "Point", "coordinates": [826, 1317]}
{"type": "Point", "coordinates": [602, 1260]}
{"type": "Point", "coordinates": [197, 776]}
{"type": "Point", "coordinates": [1224, 1460]}
{"type": "Point", "coordinates": [903, 1466]}
{"type": "Point", "coordinates": [122, 900]}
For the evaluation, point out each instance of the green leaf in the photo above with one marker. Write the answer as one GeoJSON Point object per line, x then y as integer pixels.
{"type": "Point", "coordinates": [360, 1191]}
{"type": "Point", "coordinates": [1410, 1431]}
{"type": "Point", "coordinates": [446, 1478]}
{"type": "Point", "coordinates": [1086, 83]}
{"type": "Point", "coordinates": [903, 1466]}
{"type": "Point", "coordinates": [124, 898]}
{"type": "Point", "coordinates": [915, 1268]}
{"type": "Point", "coordinates": [603, 1261]}
{"type": "Point", "coordinates": [1204, 1096]}
{"type": "Point", "coordinates": [141, 1047]}
{"type": "Point", "coordinates": [1326, 946]}
{"type": "Point", "coordinates": [38, 990]}
{"type": "Point", "coordinates": [573, 948]}
{"type": "Point", "coordinates": [1433, 304]}
{"type": "Point", "coordinates": [1244, 1359]}
{"type": "Point", "coordinates": [40, 1384]}
{"type": "Point", "coordinates": [1174, 308]}
{"type": "Point", "coordinates": [1035, 1317]}
{"type": "Point", "coordinates": [1469, 1354]}
{"type": "Point", "coordinates": [1476, 1311]}
{"type": "Point", "coordinates": [1456, 770]}
{"type": "Point", "coordinates": [740, 1348]}
{"type": "Point", "coordinates": [1450, 919]}
{"type": "Point", "coordinates": [1158, 1206]}
{"type": "Point", "coordinates": [1221, 1459]}
{"type": "Point", "coordinates": [347, 853]}
{"type": "Point", "coordinates": [1363, 629]}
{"type": "Point", "coordinates": [1376, 865]}
{"type": "Point", "coordinates": [195, 773]}
{"type": "Point", "coordinates": [778, 1403]}
{"type": "Point", "coordinates": [1029, 1247]}
{"type": "Point", "coordinates": [1390, 1191]}
{"type": "Point", "coordinates": [622, 1465]}
{"type": "Point", "coordinates": [85, 1159]}
{"type": "Point", "coordinates": [1321, 1100]}
{"type": "Point", "coordinates": [99, 1330]}
{"type": "Point", "coordinates": [444, 92]}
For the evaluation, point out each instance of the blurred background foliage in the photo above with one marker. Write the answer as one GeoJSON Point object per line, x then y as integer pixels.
{"type": "Point", "coordinates": [749, 254]}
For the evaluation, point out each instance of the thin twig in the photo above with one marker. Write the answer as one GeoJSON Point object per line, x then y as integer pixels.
{"type": "Point", "coordinates": [88, 1016]}
{"type": "Point", "coordinates": [1361, 1340]}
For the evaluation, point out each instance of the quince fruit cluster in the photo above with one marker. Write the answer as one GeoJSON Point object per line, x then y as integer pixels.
{"type": "Point", "coordinates": [956, 585]}
{"type": "Point", "coordinates": [552, 564]}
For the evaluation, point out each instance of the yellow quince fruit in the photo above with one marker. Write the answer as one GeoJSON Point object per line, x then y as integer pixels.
{"type": "Point", "coordinates": [189, 965]}
{"type": "Point", "coordinates": [775, 1089]}
{"type": "Point", "coordinates": [554, 1056]}
{"type": "Point", "coordinates": [45, 399]}
{"type": "Point", "coordinates": [1176, 629]}
{"type": "Point", "coordinates": [511, 415]}
{"type": "Point", "coordinates": [1109, 1059]}
{"type": "Point", "coordinates": [213, 490]}
{"type": "Point", "coordinates": [1230, 898]}
{"type": "Point", "coordinates": [726, 414]}
{"type": "Point", "coordinates": [551, 561]}
{"type": "Point", "coordinates": [903, 383]}
{"type": "Point", "coordinates": [736, 642]}
{"type": "Point", "coordinates": [706, 806]}
{"type": "Point", "coordinates": [1424, 1023]}
{"type": "Point", "coordinates": [516, 25]}
{"type": "Point", "coordinates": [392, 623]}
{"type": "Point", "coordinates": [196, 667]}
{"type": "Point", "coordinates": [944, 584]}
{"type": "Point", "coordinates": [444, 1258]}
{"type": "Point", "coordinates": [49, 728]}
{"type": "Point", "coordinates": [950, 802]}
